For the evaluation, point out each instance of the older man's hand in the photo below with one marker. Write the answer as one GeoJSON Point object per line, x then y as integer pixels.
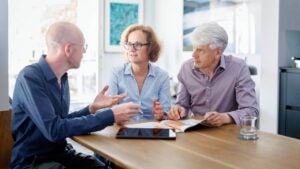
{"type": "Point", "coordinates": [177, 112]}
{"type": "Point", "coordinates": [217, 119]}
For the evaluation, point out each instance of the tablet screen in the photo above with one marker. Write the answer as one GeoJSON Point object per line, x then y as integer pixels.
{"type": "Point", "coordinates": [146, 133]}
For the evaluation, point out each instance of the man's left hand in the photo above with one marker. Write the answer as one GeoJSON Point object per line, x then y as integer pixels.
{"type": "Point", "coordinates": [103, 101]}
{"type": "Point", "coordinates": [217, 119]}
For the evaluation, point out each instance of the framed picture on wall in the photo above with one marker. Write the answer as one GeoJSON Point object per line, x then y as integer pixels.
{"type": "Point", "coordinates": [119, 14]}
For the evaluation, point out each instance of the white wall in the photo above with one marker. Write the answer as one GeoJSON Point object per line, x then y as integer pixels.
{"type": "Point", "coordinates": [269, 66]}
{"type": "Point", "coordinates": [4, 55]}
{"type": "Point", "coordinates": [168, 26]}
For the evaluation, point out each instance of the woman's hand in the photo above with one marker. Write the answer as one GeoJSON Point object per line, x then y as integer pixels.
{"type": "Point", "coordinates": [157, 110]}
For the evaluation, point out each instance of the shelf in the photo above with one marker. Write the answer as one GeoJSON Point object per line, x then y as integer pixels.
{"type": "Point", "coordinates": [290, 69]}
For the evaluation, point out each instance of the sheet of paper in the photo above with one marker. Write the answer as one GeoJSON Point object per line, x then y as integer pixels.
{"type": "Point", "coordinates": [179, 126]}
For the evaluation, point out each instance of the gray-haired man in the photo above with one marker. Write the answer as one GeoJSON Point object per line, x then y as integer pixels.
{"type": "Point", "coordinates": [213, 85]}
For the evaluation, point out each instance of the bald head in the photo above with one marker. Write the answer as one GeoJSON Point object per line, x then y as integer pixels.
{"type": "Point", "coordinates": [60, 33]}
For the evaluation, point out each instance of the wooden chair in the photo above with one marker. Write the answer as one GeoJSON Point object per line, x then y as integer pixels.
{"type": "Point", "coordinates": [6, 140]}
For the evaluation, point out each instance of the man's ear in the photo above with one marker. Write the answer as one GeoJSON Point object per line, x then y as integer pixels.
{"type": "Point", "coordinates": [218, 53]}
{"type": "Point", "coordinates": [68, 49]}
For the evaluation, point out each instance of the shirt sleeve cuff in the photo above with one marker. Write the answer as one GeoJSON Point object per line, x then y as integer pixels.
{"type": "Point", "coordinates": [235, 117]}
{"type": "Point", "coordinates": [106, 117]}
{"type": "Point", "coordinates": [86, 110]}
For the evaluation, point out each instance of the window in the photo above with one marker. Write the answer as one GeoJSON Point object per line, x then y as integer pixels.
{"type": "Point", "coordinates": [236, 16]}
{"type": "Point", "coordinates": [28, 22]}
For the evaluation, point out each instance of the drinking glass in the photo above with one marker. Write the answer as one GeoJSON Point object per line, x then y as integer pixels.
{"type": "Point", "coordinates": [248, 130]}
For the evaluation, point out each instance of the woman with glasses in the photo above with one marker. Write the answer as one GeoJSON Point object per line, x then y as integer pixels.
{"type": "Point", "coordinates": [139, 78]}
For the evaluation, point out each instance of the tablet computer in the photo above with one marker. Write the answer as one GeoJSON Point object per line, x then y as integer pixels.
{"type": "Point", "coordinates": [146, 133]}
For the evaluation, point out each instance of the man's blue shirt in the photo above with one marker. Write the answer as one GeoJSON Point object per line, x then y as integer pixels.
{"type": "Point", "coordinates": [40, 118]}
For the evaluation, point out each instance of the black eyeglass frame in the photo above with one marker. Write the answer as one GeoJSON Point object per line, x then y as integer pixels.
{"type": "Point", "coordinates": [135, 46]}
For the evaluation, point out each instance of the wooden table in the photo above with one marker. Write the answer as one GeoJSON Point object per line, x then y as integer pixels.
{"type": "Point", "coordinates": [202, 148]}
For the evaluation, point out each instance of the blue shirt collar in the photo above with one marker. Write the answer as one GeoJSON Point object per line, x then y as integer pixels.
{"type": "Point", "coordinates": [47, 71]}
{"type": "Point", "coordinates": [128, 70]}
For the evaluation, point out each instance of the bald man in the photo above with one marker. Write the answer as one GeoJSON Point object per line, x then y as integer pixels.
{"type": "Point", "coordinates": [40, 109]}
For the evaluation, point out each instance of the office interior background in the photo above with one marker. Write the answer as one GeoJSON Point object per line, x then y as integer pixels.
{"type": "Point", "coordinates": [266, 33]}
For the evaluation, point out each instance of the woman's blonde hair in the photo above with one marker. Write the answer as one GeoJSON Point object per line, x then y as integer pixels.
{"type": "Point", "coordinates": [154, 47]}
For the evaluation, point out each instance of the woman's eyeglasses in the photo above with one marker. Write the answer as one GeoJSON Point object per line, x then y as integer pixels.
{"type": "Point", "coordinates": [135, 46]}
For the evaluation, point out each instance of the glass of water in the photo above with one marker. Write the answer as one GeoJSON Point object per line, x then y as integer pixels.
{"type": "Point", "coordinates": [248, 130]}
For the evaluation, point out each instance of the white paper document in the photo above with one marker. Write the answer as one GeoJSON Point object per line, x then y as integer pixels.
{"type": "Point", "coordinates": [179, 125]}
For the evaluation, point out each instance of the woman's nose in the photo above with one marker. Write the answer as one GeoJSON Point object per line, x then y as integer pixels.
{"type": "Point", "coordinates": [132, 49]}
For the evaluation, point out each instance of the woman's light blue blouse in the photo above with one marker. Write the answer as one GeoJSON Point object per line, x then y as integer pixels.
{"type": "Point", "coordinates": [156, 85]}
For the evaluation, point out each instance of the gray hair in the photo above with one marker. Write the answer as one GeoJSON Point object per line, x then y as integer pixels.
{"type": "Point", "coordinates": [210, 34]}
